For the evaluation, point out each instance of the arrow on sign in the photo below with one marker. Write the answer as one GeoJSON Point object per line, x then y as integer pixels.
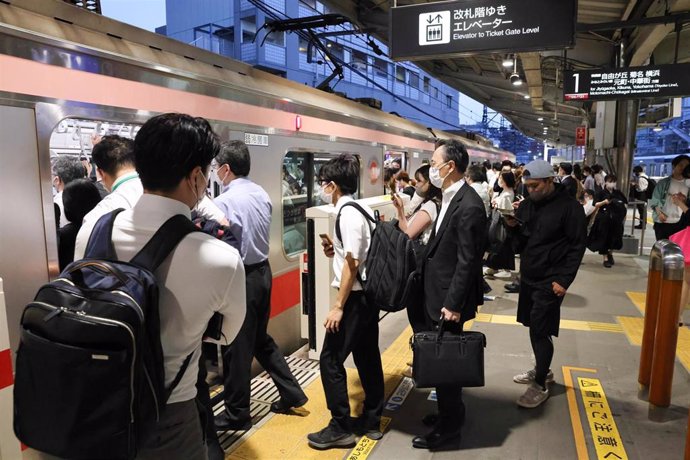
{"type": "Point", "coordinates": [587, 383]}
{"type": "Point", "coordinates": [614, 454]}
{"type": "Point", "coordinates": [438, 18]}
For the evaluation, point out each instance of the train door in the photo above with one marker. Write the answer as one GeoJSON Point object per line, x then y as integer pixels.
{"type": "Point", "coordinates": [394, 161]}
{"type": "Point", "coordinates": [300, 190]}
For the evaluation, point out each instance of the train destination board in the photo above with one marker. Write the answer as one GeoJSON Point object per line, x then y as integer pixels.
{"type": "Point", "coordinates": [429, 30]}
{"type": "Point", "coordinates": [627, 83]}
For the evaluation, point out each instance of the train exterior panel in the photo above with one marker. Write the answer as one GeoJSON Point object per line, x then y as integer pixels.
{"type": "Point", "coordinates": [65, 68]}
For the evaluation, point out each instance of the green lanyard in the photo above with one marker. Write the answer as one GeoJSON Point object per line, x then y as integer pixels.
{"type": "Point", "coordinates": [125, 179]}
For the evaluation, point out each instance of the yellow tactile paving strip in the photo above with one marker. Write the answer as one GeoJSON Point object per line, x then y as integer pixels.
{"type": "Point", "coordinates": [285, 436]}
{"type": "Point", "coordinates": [574, 325]}
{"type": "Point", "coordinates": [639, 299]}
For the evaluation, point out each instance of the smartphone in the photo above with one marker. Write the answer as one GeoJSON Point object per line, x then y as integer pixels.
{"type": "Point", "coordinates": [326, 239]}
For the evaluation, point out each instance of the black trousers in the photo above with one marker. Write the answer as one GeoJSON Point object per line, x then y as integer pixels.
{"type": "Point", "coordinates": [359, 335]}
{"type": "Point", "coordinates": [451, 409]}
{"type": "Point", "coordinates": [253, 341]}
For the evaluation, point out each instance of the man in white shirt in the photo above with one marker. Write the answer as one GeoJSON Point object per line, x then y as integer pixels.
{"type": "Point", "coordinates": [641, 183]}
{"type": "Point", "coordinates": [352, 325]}
{"type": "Point", "coordinates": [201, 276]}
{"type": "Point", "coordinates": [114, 159]}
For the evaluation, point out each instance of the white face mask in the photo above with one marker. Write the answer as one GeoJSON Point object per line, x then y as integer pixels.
{"type": "Point", "coordinates": [610, 185]}
{"type": "Point", "coordinates": [325, 197]}
{"type": "Point", "coordinates": [435, 176]}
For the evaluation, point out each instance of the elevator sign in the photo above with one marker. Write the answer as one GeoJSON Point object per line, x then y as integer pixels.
{"type": "Point", "coordinates": [630, 83]}
{"type": "Point", "coordinates": [476, 26]}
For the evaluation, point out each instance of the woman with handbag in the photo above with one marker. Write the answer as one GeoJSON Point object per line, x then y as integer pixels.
{"type": "Point", "coordinates": [501, 256]}
{"type": "Point", "coordinates": [607, 231]}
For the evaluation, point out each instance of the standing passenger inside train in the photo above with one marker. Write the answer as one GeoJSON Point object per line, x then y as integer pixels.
{"type": "Point", "coordinates": [549, 230]}
{"type": "Point", "coordinates": [452, 272]}
{"type": "Point", "coordinates": [247, 207]}
{"type": "Point", "coordinates": [351, 325]}
{"type": "Point", "coordinates": [201, 276]}
{"type": "Point", "coordinates": [665, 212]}
{"type": "Point", "coordinates": [80, 196]}
{"type": "Point", "coordinates": [65, 170]}
{"type": "Point", "coordinates": [114, 158]}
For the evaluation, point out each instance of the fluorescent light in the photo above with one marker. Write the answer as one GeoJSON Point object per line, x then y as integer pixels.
{"type": "Point", "coordinates": [515, 79]}
{"type": "Point", "coordinates": [526, 96]}
{"type": "Point", "coordinates": [657, 129]}
{"type": "Point", "coordinates": [540, 119]}
{"type": "Point", "coordinates": [508, 61]}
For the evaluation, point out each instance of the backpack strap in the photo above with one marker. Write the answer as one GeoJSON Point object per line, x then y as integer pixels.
{"type": "Point", "coordinates": [163, 242]}
{"type": "Point", "coordinates": [100, 245]}
{"type": "Point", "coordinates": [178, 377]}
{"type": "Point", "coordinates": [374, 220]}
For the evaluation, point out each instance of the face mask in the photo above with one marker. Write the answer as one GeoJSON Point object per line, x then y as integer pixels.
{"type": "Point", "coordinates": [610, 185]}
{"type": "Point", "coordinates": [325, 197]}
{"type": "Point", "coordinates": [435, 176]}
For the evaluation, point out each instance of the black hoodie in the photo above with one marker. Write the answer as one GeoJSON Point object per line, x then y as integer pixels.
{"type": "Point", "coordinates": [551, 238]}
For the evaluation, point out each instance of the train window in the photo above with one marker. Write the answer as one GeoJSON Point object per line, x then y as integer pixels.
{"type": "Point", "coordinates": [400, 73]}
{"type": "Point", "coordinates": [276, 38]}
{"type": "Point", "coordinates": [414, 80]}
{"type": "Point", "coordinates": [359, 60]}
{"type": "Point", "coordinates": [449, 101]}
{"type": "Point", "coordinates": [300, 190]}
{"type": "Point", "coordinates": [380, 68]}
{"type": "Point", "coordinates": [427, 83]}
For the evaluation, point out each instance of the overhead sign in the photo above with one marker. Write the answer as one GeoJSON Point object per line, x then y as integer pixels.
{"type": "Point", "coordinates": [475, 26]}
{"type": "Point", "coordinates": [629, 83]}
{"type": "Point", "coordinates": [581, 136]}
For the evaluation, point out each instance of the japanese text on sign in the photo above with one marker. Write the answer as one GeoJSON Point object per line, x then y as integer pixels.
{"type": "Point", "coordinates": [607, 440]}
{"type": "Point", "coordinates": [256, 139]}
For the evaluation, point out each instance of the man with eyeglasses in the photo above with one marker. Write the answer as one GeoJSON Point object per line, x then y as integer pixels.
{"type": "Point", "coordinates": [247, 208]}
{"type": "Point", "coordinates": [549, 233]}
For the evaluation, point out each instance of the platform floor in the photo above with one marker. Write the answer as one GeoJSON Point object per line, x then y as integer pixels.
{"type": "Point", "coordinates": [599, 342]}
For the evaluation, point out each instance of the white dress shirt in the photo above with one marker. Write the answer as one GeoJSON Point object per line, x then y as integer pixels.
{"type": "Point", "coordinates": [126, 191]}
{"type": "Point", "coordinates": [202, 275]}
{"type": "Point", "coordinates": [448, 195]}
{"type": "Point", "coordinates": [57, 199]}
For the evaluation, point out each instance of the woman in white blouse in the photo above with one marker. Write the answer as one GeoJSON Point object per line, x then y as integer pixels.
{"type": "Point", "coordinates": [419, 226]}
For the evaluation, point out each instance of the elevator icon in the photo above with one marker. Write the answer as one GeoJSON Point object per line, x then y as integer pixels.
{"type": "Point", "coordinates": [434, 28]}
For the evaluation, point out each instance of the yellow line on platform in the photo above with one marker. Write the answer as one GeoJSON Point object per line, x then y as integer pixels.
{"type": "Point", "coordinates": [639, 299]}
{"type": "Point", "coordinates": [634, 327]}
{"type": "Point", "coordinates": [605, 435]}
{"type": "Point", "coordinates": [578, 432]}
{"type": "Point", "coordinates": [570, 324]}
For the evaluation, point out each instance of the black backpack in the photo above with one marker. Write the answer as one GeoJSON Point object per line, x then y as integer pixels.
{"type": "Point", "coordinates": [390, 263]}
{"type": "Point", "coordinates": [651, 185]}
{"type": "Point", "coordinates": [90, 378]}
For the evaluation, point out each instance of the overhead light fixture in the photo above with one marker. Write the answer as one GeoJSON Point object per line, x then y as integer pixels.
{"type": "Point", "coordinates": [657, 129]}
{"type": "Point", "coordinates": [515, 76]}
{"type": "Point", "coordinates": [526, 96]}
{"type": "Point", "coordinates": [508, 61]}
{"type": "Point", "coordinates": [540, 119]}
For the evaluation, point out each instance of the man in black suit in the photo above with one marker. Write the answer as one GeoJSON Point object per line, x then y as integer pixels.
{"type": "Point", "coordinates": [452, 271]}
{"type": "Point", "coordinates": [565, 174]}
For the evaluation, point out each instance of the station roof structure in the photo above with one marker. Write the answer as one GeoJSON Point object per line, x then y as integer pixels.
{"type": "Point", "coordinates": [603, 26]}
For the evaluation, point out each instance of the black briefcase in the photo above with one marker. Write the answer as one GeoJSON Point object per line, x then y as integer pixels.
{"type": "Point", "coordinates": [447, 359]}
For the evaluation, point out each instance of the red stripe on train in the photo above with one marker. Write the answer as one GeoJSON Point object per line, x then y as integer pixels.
{"type": "Point", "coordinates": [6, 378]}
{"type": "Point", "coordinates": [285, 293]}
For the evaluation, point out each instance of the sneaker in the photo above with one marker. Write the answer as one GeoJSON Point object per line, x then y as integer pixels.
{"type": "Point", "coordinates": [489, 271]}
{"type": "Point", "coordinates": [364, 427]}
{"type": "Point", "coordinates": [502, 274]}
{"type": "Point", "coordinates": [330, 437]}
{"type": "Point", "coordinates": [528, 377]}
{"type": "Point", "coordinates": [533, 397]}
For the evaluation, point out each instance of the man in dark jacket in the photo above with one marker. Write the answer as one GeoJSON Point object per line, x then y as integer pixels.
{"type": "Point", "coordinates": [549, 231]}
{"type": "Point", "coordinates": [565, 173]}
{"type": "Point", "coordinates": [452, 270]}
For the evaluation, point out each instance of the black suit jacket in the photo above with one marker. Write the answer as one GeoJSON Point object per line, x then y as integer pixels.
{"type": "Point", "coordinates": [452, 267]}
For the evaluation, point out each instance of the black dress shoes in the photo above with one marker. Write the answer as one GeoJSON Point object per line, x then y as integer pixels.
{"type": "Point", "coordinates": [438, 439]}
{"type": "Point", "coordinates": [282, 407]}
{"type": "Point", "coordinates": [512, 288]}
{"type": "Point", "coordinates": [224, 423]}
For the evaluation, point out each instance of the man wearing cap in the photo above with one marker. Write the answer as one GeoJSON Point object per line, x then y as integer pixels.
{"type": "Point", "coordinates": [549, 234]}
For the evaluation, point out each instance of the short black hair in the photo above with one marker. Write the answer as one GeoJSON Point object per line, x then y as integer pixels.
{"type": "Point", "coordinates": [508, 179]}
{"type": "Point", "coordinates": [169, 146]}
{"type": "Point", "coordinates": [505, 163]}
{"type": "Point", "coordinates": [68, 169]}
{"type": "Point", "coordinates": [236, 155]}
{"type": "Point", "coordinates": [586, 169]}
{"type": "Point", "coordinates": [343, 171]}
{"type": "Point", "coordinates": [486, 164]}
{"type": "Point", "coordinates": [611, 178]}
{"type": "Point", "coordinates": [678, 159]}
{"type": "Point", "coordinates": [79, 197]}
{"type": "Point", "coordinates": [638, 169]}
{"type": "Point", "coordinates": [476, 173]}
{"type": "Point", "coordinates": [113, 153]}
{"type": "Point", "coordinates": [496, 165]}
{"type": "Point", "coordinates": [566, 167]}
{"type": "Point", "coordinates": [456, 152]}
{"type": "Point", "coordinates": [596, 169]}
{"type": "Point", "coordinates": [588, 191]}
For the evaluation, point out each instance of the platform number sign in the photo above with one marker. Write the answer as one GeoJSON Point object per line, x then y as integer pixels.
{"type": "Point", "coordinates": [434, 28]}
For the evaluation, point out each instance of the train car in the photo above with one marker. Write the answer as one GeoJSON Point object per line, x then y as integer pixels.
{"type": "Point", "coordinates": [69, 75]}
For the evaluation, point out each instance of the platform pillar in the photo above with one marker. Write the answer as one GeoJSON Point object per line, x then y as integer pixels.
{"type": "Point", "coordinates": [666, 336]}
{"type": "Point", "coordinates": [651, 311]}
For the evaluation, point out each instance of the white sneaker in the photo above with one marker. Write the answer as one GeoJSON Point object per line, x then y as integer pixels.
{"type": "Point", "coordinates": [528, 377]}
{"type": "Point", "coordinates": [489, 271]}
{"type": "Point", "coordinates": [533, 397]}
{"type": "Point", "coordinates": [503, 274]}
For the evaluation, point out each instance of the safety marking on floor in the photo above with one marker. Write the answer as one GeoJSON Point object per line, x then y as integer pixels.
{"type": "Point", "coordinates": [578, 432]}
{"type": "Point", "coordinates": [639, 299]}
{"type": "Point", "coordinates": [570, 324]}
{"type": "Point", "coordinates": [365, 445]}
{"type": "Point", "coordinates": [607, 440]}
{"type": "Point", "coordinates": [634, 328]}
{"type": "Point", "coordinates": [400, 394]}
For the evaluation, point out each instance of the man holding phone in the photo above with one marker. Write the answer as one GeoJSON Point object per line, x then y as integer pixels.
{"type": "Point", "coordinates": [352, 325]}
{"type": "Point", "coordinates": [549, 232]}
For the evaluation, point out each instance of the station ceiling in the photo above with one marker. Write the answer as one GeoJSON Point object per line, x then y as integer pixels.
{"type": "Point", "coordinates": [483, 77]}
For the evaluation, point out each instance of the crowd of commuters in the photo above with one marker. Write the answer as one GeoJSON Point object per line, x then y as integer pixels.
{"type": "Point", "coordinates": [548, 217]}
